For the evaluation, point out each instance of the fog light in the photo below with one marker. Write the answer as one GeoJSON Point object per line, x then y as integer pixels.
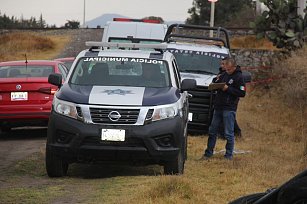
{"type": "Point", "coordinates": [165, 141]}
{"type": "Point", "coordinates": [63, 137]}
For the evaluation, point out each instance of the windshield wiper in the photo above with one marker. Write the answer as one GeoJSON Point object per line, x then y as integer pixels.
{"type": "Point", "coordinates": [197, 71]}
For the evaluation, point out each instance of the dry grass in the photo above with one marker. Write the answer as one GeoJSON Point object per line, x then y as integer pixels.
{"type": "Point", "coordinates": [273, 130]}
{"type": "Point", "coordinates": [251, 42]}
{"type": "Point", "coordinates": [14, 46]}
{"type": "Point", "coordinates": [271, 133]}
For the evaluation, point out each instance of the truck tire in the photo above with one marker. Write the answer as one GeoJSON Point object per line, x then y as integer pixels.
{"type": "Point", "coordinates": [294, 192]}
{"type": "Point", "coordinates": [176, 166]}
{"type": "Point", "coordinates": [55, 166]}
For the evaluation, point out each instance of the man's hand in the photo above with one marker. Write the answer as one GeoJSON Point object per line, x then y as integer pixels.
{"type": "Point", "coordinates": [225, 87]}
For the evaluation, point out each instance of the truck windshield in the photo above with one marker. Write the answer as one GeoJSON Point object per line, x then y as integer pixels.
{"type": "Point", "coordinates": [198, 62]}
{"type": "Point", "coordinates": [121, 71]}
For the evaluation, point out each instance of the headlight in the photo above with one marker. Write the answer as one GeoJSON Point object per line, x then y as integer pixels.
{"type": "Point", "coordinates": [165, 112]}
{"type": "Point", "coordinates": [65, 108]}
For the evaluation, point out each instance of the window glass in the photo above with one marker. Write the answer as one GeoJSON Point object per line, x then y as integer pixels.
{"type": "Point", "coordinates": [63, 70]}
{"type": "Point", "coordinates": [177, 79]}
{"type": "Point", "coordinates": [194, 61]}
{"type": "Point", "coordinates": [121, 71]}
{"type": "Point", "coordinates": [68, 64]}
{"type": "Point", "coordinates": [25, 71]}
{"type": "Point", "coordinates": [134, 40]}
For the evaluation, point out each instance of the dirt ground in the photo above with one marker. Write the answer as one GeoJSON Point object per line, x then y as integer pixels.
{"type": "Point", "coordinates": [20, 143]}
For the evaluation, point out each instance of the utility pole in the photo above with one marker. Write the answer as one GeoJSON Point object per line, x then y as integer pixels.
{"type": "Point", "coordinates": [212, 15]}
{"type": "Point", "coordinates": [83, 13]}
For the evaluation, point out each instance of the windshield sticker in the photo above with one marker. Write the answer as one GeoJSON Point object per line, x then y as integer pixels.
{"type": "Point", "coordinates": [209, 54]}
{"type": "Point", "coordinates": [122, 59]}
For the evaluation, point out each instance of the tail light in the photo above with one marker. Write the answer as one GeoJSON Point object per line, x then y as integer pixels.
{"type": "Point", "coordinates": [48, 90]}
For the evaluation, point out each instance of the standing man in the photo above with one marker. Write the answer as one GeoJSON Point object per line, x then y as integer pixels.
{"type": "Point", "coordinates": [237, 129]}
{"type": "Point", "coordinates": [225, 107]}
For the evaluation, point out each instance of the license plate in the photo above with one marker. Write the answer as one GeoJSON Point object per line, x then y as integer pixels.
{"type": "Point", "coordinates": [19, 96]}
{"type": "Point", "coordinates": [112, 135]}
{"type": "Point", "coordinates": [190, 116]}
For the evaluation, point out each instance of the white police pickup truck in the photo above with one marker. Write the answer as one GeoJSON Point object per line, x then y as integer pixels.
{"type": "Point", "coordinates": [119, 105]}
{"type": "Point", "coordinates": [198, 56]}
{"type": "Point", "coordinates": [134, 31]}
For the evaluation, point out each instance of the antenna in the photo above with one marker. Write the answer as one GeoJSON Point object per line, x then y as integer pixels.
{"type": "Point", "coordinates": [26, 61]}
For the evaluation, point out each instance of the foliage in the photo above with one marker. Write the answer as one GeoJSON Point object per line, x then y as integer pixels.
{"type": "Point", "coordinates": [281, 24]}
{"type": "Point", "coordinates": [72, 24]}
{"type": "Point", "coordinates": [41, 22]}
{"type": "Point", "coordinates": [225, 11]}
{"type": "Point", "coordinates": [13, 22]}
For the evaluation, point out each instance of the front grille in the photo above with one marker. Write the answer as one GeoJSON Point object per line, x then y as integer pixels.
{"type": "Point", "coordinates": [129, 142]}
{"type": "Point", "coordinates": [201, 105]}
{"type": "Point", "coordinates": [127, 116]}
{"type": "Point", "coordinates": [79, 111]}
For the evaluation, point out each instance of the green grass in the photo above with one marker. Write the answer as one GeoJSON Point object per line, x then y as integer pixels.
{"type": "Point", "coordinates": [38, 194]}
{"type": "Point", "coordinates": [34, 166]}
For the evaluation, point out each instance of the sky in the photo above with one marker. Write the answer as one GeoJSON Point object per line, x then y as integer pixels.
{"type": "Point", "coordinates": [59, 11]}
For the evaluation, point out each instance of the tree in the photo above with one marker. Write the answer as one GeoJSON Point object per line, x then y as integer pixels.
{"type": "Point", "coordinates": [13, 22]}
{"type": "Point", "coordinates": [41, 22]}
{"type": "Point", "coordinates": [225, 10]}
{"type": "Point", "coordinates": [281, 24]}
{"type": "Point", "coordinates": [72, 24]}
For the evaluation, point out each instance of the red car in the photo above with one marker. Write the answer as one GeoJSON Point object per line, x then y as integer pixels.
{"type": "Point", "coordinates": [67, 61]}
{"type": "Point", "coordinates": [25, 94]}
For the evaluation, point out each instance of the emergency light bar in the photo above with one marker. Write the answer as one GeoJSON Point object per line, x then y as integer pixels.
{"type": "Point", "coordinates": [136, 20]}
{"type": "Point", "coordinates": [125, 45]}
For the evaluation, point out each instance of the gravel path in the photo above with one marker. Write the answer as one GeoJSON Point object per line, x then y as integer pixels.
{"type": "Point", "coordinates": [79, 37]}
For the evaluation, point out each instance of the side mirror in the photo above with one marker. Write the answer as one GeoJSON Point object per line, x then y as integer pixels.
{"type": "Point", "coordinates": [188, 84]}
{"type": "Point", "coordinates": [247, 76]}
{"type": "Point", "coordinates": [55, 79]}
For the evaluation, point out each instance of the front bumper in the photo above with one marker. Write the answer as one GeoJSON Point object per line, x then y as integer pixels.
{"type": "Point", "coordinates": [77, 141]}
{"type": "Point", "coordinates": [25, 115]}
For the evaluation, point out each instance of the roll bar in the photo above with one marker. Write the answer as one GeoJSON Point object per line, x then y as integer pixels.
{"type": "Point", "coordinates": [169, 33]}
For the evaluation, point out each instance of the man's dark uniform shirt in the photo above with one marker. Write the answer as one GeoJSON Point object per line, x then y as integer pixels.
{"type": "Point", "coordinates": [229, 99]}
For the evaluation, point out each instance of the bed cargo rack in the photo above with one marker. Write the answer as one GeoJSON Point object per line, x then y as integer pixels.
{"type": "Point", "coordinates": [219, 30]}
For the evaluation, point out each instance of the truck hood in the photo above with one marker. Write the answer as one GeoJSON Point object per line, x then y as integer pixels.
{"type": "Point", "coordinates": [118, 95]}
{"type": "Point", "coordinates": [201, 79]}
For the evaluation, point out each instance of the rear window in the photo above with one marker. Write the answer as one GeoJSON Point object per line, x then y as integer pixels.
{"type": "Point", "coordinates": [25, 71]}
{"type": "Point", "coordinates": [121, 71]}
